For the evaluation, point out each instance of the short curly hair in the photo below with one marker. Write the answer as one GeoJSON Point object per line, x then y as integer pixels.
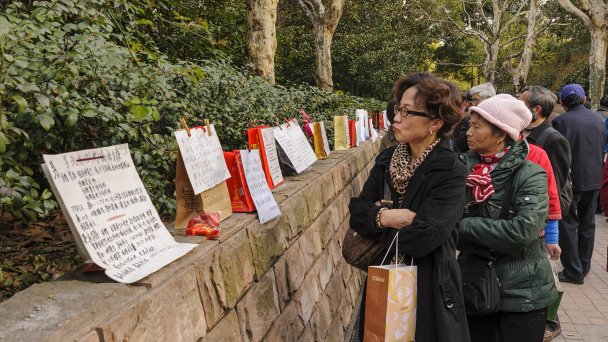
{"type": "Point", "coordinates": [442, 99]}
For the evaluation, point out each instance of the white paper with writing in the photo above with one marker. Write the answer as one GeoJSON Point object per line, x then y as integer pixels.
{"type": "Point", "coordinates": [295, 132]}
{"type": "Point", "coordinates": [374, 134]}
{"type": "Point", "coordinates": [347, 131]}
{"type": "Point", "coordinates": [203, 157]}
{"type": "Point", "coordinates": [289, 147]}
{"type": "Point", "coordinates": [263, 200]}
{"type": "Point", "coordinates": [325, 141]}
{"type": "Point", "coordinates": [361, 125]}
{"type": "Point", "coordinates": [270, 148]}
{"type": "Point", "coordinates": [102, 194]}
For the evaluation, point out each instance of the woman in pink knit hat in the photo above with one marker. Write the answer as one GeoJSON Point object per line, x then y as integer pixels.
{"type": "Point", "coordinates": [507, 209]}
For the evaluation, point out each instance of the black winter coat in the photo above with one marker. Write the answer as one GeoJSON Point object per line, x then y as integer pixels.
{"type": "Point", "coordinates": [436, 193]}
{"type": "Point", "coordinates": [584, 130]}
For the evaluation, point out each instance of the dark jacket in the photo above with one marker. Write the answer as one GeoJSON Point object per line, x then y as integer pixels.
{"type": "Point", "coordinates": [388, 140]}
{"type": "Point", "coordinates": [558, 151]}
{"type": "Point", "coordinates": [584, 130]}
{"type": "Point", "coordinates": [521, 264]}
{"type": "Point", "coordinates": [436, 194]}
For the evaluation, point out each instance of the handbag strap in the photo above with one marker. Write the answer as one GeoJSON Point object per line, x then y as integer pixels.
{"type": "Point", "coordinates": [389, 248]}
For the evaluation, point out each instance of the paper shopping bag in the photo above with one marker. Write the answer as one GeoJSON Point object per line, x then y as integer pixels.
{"type": "Point", "coordinates": [318, 141]}
{"type": "Point", "coordinates": [188, 204]}
{"type": "Point", "coordinates": [262, 138]}
{"type": "Point", "coordinates": [390, 303]}
{"type": "Point", "coordinates": [240, 198]}
{"type": "Point", "coordinates": [352, 131]}
{"type": "Point", "coordinates": [341, 133]}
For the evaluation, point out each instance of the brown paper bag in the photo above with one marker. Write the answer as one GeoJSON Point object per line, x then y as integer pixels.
{"type": "Point", "coordinates": [390, 303]}
{"type": "Point", "coordinates": [188, 204]}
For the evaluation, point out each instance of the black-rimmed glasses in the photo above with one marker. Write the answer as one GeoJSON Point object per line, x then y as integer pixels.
{"type": "Point", "coordinates": [405, 113]}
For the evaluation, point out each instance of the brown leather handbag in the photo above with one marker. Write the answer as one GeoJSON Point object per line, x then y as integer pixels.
{"type": "Point", "coordinates": [359, 251]}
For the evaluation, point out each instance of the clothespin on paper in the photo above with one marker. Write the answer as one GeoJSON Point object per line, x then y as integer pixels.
{"type": "Point", "coordinates": [208, 127]}
{"type": "Point", "coordinates": [184, 125]}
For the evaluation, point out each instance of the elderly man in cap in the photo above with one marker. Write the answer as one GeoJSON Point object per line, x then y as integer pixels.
{"type": "Point", "coordinates": [584, 130]}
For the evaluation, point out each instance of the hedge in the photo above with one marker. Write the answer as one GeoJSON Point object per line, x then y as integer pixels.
{"type": "Point", "coordinates": [73, 78]}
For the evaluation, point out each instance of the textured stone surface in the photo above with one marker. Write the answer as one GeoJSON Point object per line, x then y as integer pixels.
{"type": "Point", "coordinates": [258, 309]}
{"type": "Point", "coordinates": [236, 262]}
{"type": "Point", "coordinates": [268, 243]}
{"type": "Point", "coordinates": [53, 310]}
{"type": "Point", "coordinates": [172, 312]}
{"type": "Point", "coordinates": [305, 290]}
{"type": "Point", "coordinates": [289, 272]}
{"type": "Point", "coordinates": [227, 330]}
{"type": "Point", "coordinates": [321, 319]}
{"type": "Point", "coordinates": [211, 285]}
{"type": "Point", "coordinates": [287, 327]}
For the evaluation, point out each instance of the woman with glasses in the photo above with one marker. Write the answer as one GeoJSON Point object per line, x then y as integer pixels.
{"type": "Point", "coordinates": [425, 183]}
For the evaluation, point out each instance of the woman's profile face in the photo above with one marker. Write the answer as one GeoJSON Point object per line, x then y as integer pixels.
{"type": "Point", "coordinates": [411, 125]}
{"type": "Point", "coordinates": [480, 136]}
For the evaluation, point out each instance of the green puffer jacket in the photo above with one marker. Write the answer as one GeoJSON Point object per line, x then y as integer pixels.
{"type": "Point", "coordinates": [521, 264]}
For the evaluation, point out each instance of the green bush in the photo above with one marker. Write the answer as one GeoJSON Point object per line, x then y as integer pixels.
{"type": "Point", "coordinates": [73, 78]}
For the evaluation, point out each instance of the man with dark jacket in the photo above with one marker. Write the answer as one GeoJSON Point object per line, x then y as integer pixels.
{"type": "Point", "coordinates": [541, 102]}
{"type": "Point", "coordinates": [584, 130]}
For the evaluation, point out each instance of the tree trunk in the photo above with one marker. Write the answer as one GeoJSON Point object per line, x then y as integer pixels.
{"type": "Point", "coordinates": [520, 74]}
{"type": "Point", "coordinates": [324, 20]}
{"type": "Point", "coordinates": [323, 70]}
{"type": "Point", "coordinates": [261, 39]}
{"type": "Point", "coordinates": [597, 65]}
{"type": "Point", "coordinates": [489, 64]}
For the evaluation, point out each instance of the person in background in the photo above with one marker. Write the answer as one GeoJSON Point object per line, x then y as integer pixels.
{"type": "Point", "coordinates": [426, 182]}
{"type": "Point", "coordinates": [498, 157]}
{"type": "Point", "coordinates": [477, 94]}
{"type": "Point", "coordinates": [389, 140]}
{"type": "Point", "coordinates": [584, 129]}
{"type": "Point", "coordinates": [541, 102]}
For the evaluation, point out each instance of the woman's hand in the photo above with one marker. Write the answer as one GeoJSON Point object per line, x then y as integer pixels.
{"type": "Point", "coordinates": [554, 251]}
{"type": "Point", "coordinates": [396, 218]}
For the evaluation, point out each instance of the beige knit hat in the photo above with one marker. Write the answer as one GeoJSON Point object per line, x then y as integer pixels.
{"type": "Point", "coordinates": [505, 112]}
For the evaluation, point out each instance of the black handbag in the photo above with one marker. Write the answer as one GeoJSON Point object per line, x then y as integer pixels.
{"type": "Point", "coordinates": [480, 284]}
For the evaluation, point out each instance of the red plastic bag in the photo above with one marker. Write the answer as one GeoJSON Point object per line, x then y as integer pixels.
{"type": "Point", "coordinates": [205, 224]}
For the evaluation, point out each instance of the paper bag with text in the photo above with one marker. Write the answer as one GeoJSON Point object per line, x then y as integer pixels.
{"type": "Point", "coordinates": [188, 204]}
{"type": "Point", "coordinates": [341, 133]}
{"type": "Point", "coordinates": [390, 303]}
{"type": "Point", "coordinates": [262, 138]}
{"type": "Point", "coordinates": [240, 198]}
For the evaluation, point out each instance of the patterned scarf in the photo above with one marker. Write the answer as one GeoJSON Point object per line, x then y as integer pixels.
{"type": "Point", "coordinates": [480, 179]}
{"type": "Point", "coordinates": [401, 170]}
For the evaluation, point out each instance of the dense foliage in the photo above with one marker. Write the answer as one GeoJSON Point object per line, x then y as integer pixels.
{"type": "Point", "coordinates": [73, 75]}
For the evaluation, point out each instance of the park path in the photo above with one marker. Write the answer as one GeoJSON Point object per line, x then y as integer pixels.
{"type": "Point", "coordinates": [584, 308]}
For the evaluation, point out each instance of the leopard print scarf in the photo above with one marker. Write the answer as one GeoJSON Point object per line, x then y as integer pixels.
{"type": "Point", "coordinates": [400, 169]}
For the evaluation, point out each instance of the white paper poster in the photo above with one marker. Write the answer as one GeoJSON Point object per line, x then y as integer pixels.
{"type": "Point", "coordinates": [295, 132]}
{"type": "Point", "coordinates": [203, 157]}
{"type": "Point", "coordinates": [272, 157]}
{"type": "Point", "coordinates": [264, 202]}
{"type": "Point", "coordinates": [374, 134]}
{"type": "Point", "coordinates": [362, 127]}
{"type": "Point", "coordinates": [294, 157]}
{"type": "Point", "coordinates": [110, 212]}
{"type": "Point", "coordinates": [347, 130]}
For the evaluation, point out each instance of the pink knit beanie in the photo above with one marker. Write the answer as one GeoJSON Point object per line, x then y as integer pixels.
{"type": "Point", "coordinates": [505, 112]}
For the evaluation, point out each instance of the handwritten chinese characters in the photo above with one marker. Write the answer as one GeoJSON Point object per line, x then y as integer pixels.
{"type": "Point", "coordinates": [203, 157]}
{"type": "Point", "coordinates": [111, 213]}
{"type": "Point", "coordinates": [263, 200]}
{"type": "Point", "coordinates": [270, 149]}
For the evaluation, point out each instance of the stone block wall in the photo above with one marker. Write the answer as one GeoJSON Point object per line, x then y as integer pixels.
{"type": "Point", "coordinates": [281, 281]}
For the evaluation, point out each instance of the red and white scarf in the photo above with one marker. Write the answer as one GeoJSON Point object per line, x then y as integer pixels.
{"type": "Point", "coordinates": [480, 180]}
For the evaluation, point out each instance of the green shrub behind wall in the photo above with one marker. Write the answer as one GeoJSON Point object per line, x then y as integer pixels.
{"type": "Point", "coordinates": [71, 78]}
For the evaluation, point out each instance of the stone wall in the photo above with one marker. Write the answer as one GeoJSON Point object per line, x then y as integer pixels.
{"type": "Point", "coordinates": [281, 281]}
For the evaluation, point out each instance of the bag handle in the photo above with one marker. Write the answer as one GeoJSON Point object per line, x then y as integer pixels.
{"type": "Point", "coordinates": [389, 249]}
